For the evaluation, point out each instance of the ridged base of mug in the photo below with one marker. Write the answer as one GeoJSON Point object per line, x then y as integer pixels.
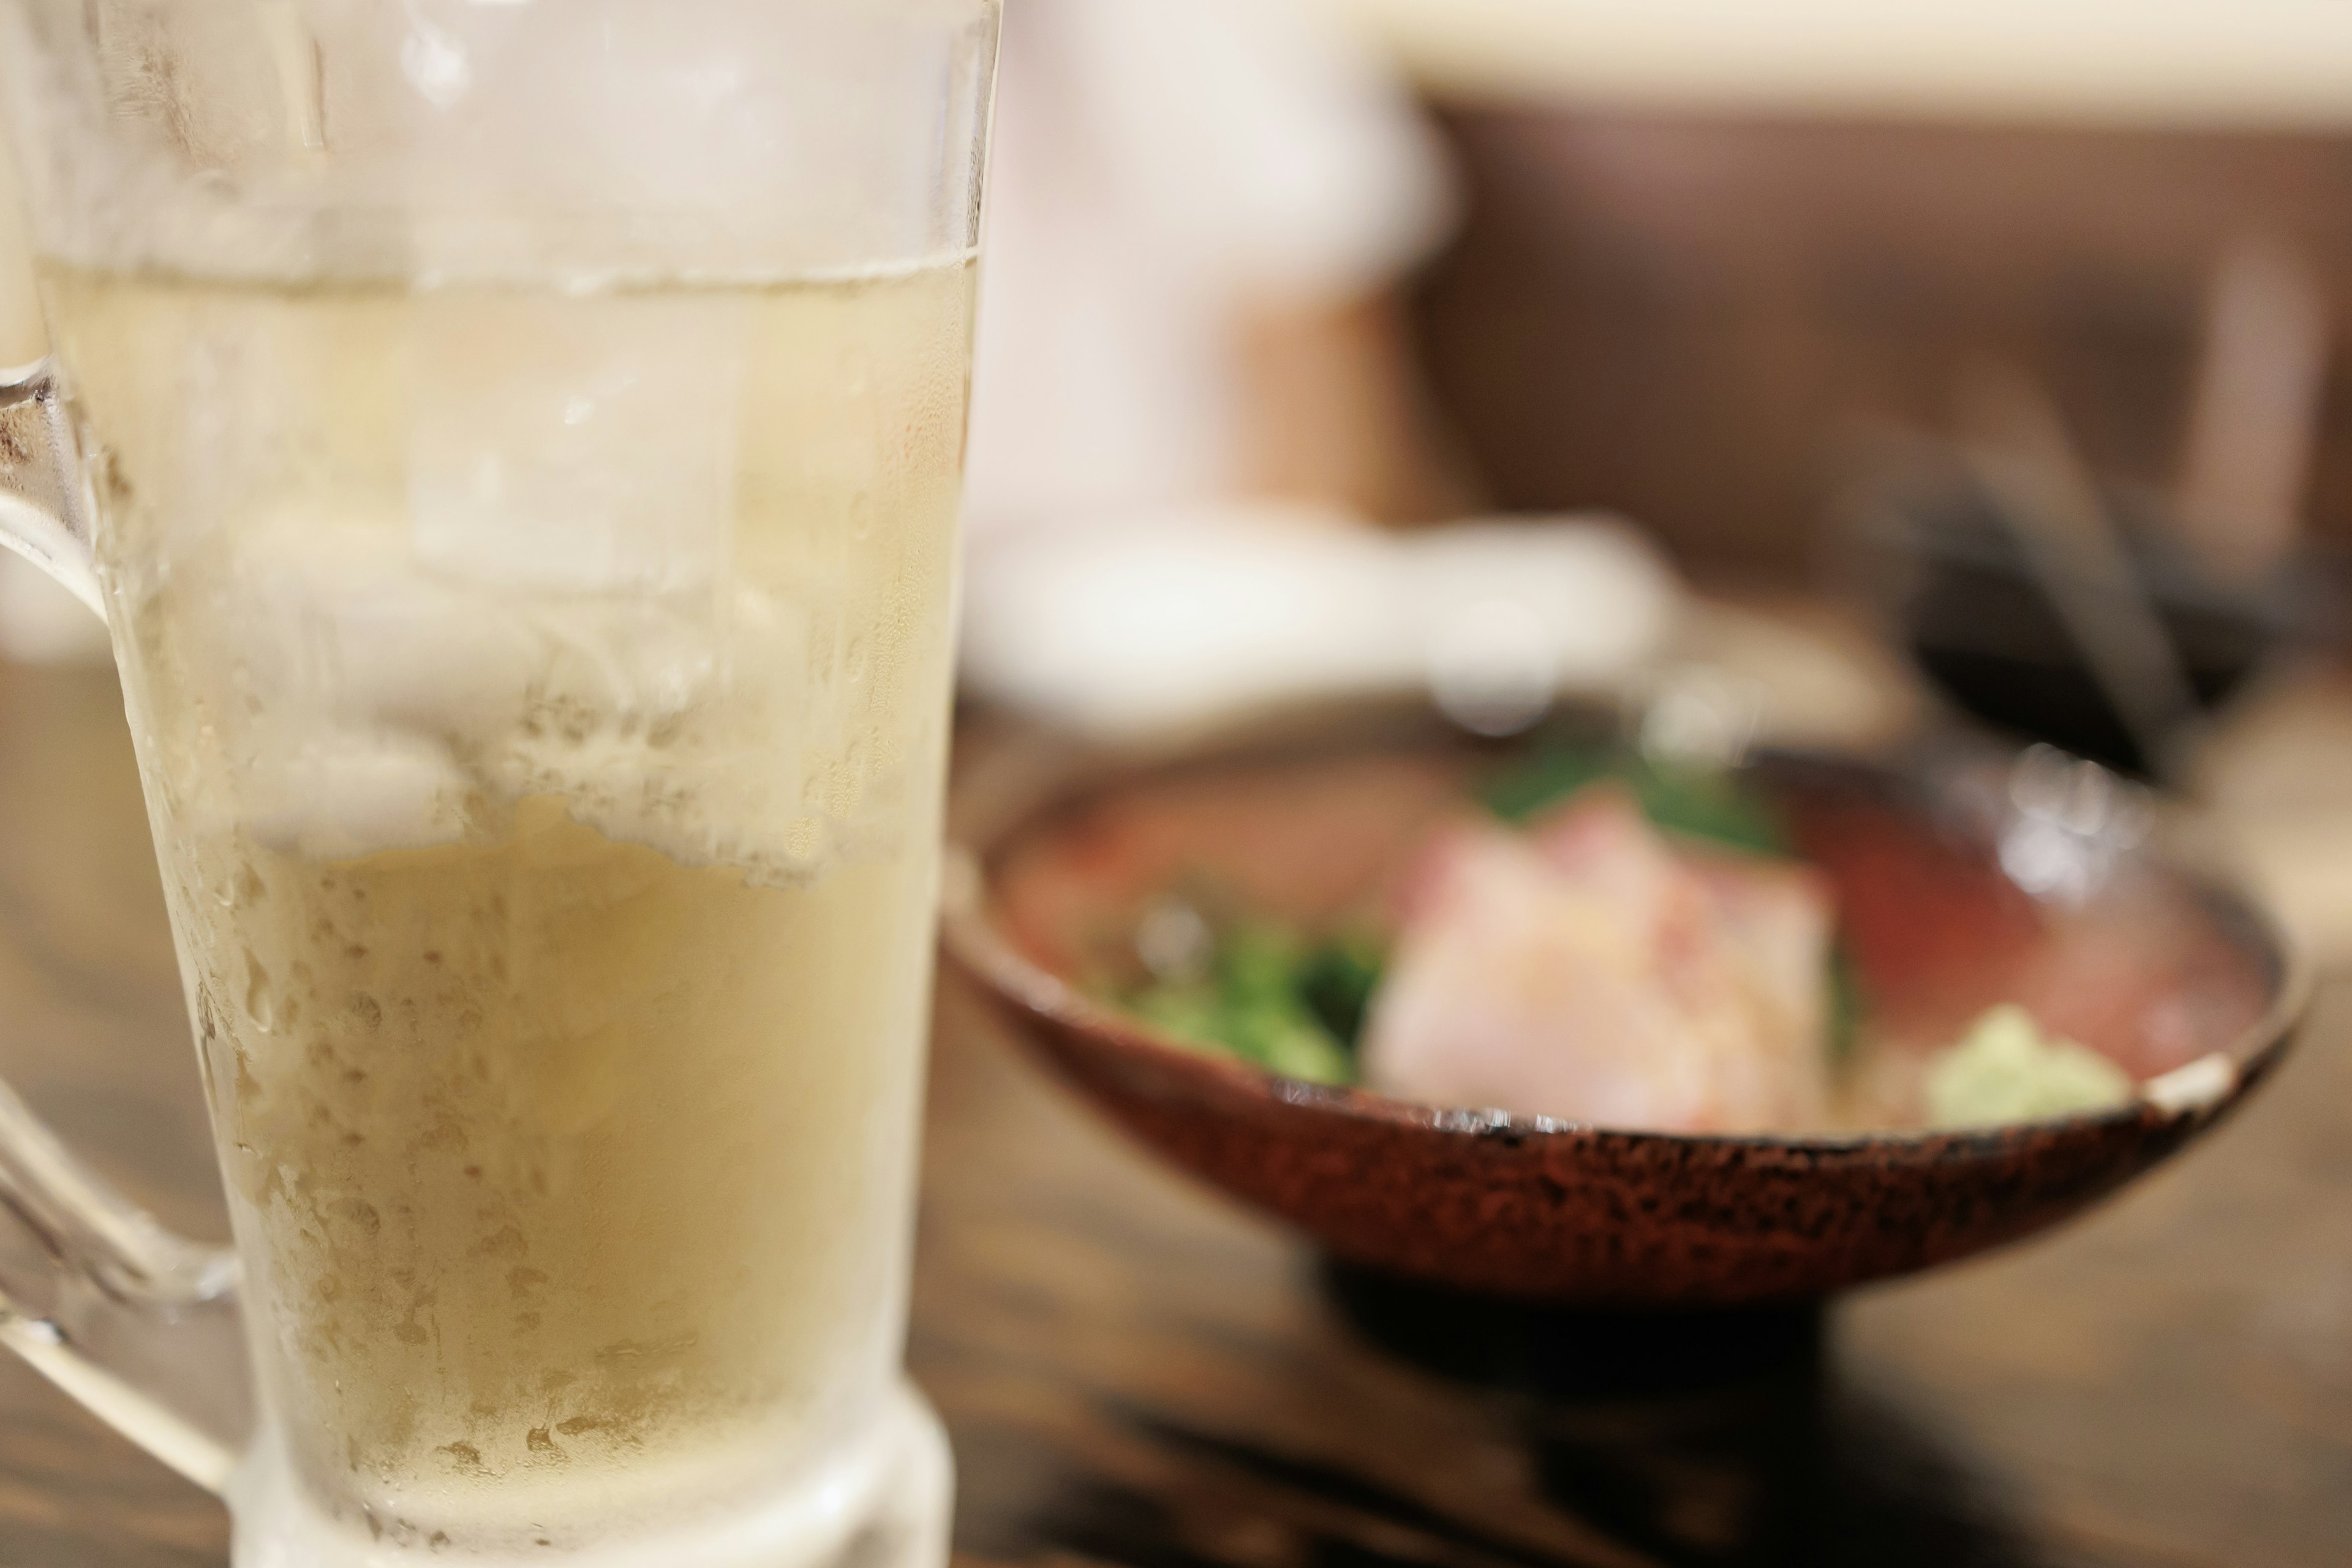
{"type": "Point", "coordinates": [886, 1505]}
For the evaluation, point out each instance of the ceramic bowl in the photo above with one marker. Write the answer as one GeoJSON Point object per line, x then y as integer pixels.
{"type": "Point", "coordinates": [1963, 880]}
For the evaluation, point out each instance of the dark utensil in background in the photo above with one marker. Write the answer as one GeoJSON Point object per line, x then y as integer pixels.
{"type": "Point", "coordinates": [2106, 620]}
{"type": "Point", "coordinates": [1935, 550]}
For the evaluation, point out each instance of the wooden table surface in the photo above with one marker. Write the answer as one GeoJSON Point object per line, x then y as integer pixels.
{"type": "Point", "coordinates": [1135, 1372]}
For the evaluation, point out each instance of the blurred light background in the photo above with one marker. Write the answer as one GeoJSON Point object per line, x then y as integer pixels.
{"type": "Point", "coordinates": [1782, 336]}
{"type": "Point", "coordinates": [1834, 305]}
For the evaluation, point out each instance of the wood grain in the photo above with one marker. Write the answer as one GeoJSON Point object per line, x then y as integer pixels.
{"type": "Point", "coordinates": [1135, 1373]}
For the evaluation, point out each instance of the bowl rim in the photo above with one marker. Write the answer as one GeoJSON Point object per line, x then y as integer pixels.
{"type": "Point", "coordinates": [973, 940]}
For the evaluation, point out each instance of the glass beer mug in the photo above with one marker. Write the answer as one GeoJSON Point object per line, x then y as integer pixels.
{"type": "Point", "coordinates": [515, 446]}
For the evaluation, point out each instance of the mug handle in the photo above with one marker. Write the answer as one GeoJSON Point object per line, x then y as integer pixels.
{"type": "Point", "coordinates": [137, 1323]}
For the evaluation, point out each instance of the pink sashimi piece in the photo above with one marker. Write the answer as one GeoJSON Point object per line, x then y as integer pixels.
{"type": "Point", "coordinates": [1594, 971]}
{"type": "Point", "coordinates": [1515, 987]}
{"type": "Point", "coordinates": [1779, 919]}
{"type": "Point", "coordinates": [1600, 840]}
{"type": "Point", "coordinates": [1770, 920]}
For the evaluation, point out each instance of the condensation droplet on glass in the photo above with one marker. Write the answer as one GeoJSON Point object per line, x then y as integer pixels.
{"type": "Point", "coordinates": [259, 1005]}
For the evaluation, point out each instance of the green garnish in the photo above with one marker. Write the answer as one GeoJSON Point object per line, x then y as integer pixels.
{"type": "Point", "coordinates": [1337, 980]}
{"type": "Point", "coordinates": [1545, 777]}
{"type": "Point", "coordinates": [1698, 803]}
{"type": "Point", "coordinates": [2006, 1068]}
{"type": "Point", "coordinates": [1291, 1005]}
{"type": "Point", "coordinates": [1848, 1003]}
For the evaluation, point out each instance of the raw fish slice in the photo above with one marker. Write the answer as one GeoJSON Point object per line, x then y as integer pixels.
{"type": "Point", "coordinates": [1776, 920]}
{"type": "Point", "coordinates": [1514, 986]}
{"type": "Point", "coordinates": [1761, 925]}
{"type": "Point", "coordinates": [1595, 973]}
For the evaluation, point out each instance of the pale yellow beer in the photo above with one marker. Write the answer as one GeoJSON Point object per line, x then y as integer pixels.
{"type": "Point", "coordinates": [543, 695]}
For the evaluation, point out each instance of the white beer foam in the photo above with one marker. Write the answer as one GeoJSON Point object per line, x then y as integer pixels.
{"type": "Point", "coordinates": [346, 795]}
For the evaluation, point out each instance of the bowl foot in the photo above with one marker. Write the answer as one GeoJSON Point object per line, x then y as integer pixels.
{"type": "Point", "coordinates": [1571, 1351]}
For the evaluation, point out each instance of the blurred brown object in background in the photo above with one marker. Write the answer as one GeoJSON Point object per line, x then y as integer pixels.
{"type": "Point", "coordinates": [1687, 317]}
{"type": "Point", "coordinates": [2245, 459]}
{"type": "Point", "coordinates": [1334, 413]}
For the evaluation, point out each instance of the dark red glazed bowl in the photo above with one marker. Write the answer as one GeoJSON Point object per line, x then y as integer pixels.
{"type": "Point", "coordinates": [2130, 945]}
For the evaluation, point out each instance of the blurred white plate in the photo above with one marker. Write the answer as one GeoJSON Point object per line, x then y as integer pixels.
{"type": "Point", "coordinates": [1196, 615]}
